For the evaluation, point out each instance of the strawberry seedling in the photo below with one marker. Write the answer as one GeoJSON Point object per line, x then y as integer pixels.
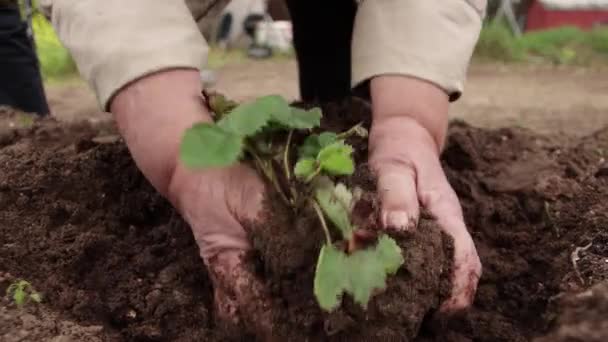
{"type": "Point", "coordinates": [22, 292]}
{"type": "Point", "coordinates": [260, 132]}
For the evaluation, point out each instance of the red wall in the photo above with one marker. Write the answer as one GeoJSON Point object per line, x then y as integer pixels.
{"type": "Point", "coordinates": [542, 18]}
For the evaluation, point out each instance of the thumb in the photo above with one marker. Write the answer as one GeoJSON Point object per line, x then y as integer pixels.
{"type": "Point", "coordinates": [397, 191]}
{"type": "Point", "coordinates": [392, 162]}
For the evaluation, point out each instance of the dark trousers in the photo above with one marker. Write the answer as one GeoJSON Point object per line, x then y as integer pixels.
{"type": "Point", "coordinates": [20, 79]}
{"type": "Point", "coordinates": [322, 36]}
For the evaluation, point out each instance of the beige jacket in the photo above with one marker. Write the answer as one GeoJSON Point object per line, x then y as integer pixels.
{"type": "Point", "coordinates": [115, 42]}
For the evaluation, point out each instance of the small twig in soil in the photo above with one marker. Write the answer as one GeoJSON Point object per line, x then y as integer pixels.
{"type": "Point", "coordinates": [322, 219]}
{"type": "Point", "coordinates": [575, 257]}
{"type": "Point", "coordinates": [356, 129]}
{"type": "Point", "coordinates": [286, 157]}
{"type": "Point", "coordinates": [313, 175]}
{"type": "Point", "coordinates": [268, 173]}
{"type": "Point", "coordinates": [292, 190]}
{"type": "Point", "coordinates": [550, 219]}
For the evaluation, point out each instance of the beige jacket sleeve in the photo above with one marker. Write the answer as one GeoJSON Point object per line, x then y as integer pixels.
{"type": "Point", "coordinates": [115, 42]}
{"type": "Point", "coordinates": [429, 39]}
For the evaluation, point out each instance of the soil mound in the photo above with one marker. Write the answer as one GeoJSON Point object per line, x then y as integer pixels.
{"type": "Point", "coordinates": [79, 221]}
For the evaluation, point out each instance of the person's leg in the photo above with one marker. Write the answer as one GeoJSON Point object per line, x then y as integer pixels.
{"type": "Point", "coordinates": [20, 79]}
{"type": "Point", "coordinates": [223, 31]}
{"type": "Point", "coordinates": [322, 34]}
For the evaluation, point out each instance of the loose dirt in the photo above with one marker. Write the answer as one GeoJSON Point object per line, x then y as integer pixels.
{"type": "Point", "coordinates": [80, 222]}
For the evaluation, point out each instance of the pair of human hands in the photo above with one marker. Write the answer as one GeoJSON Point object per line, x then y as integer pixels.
{"type": "Point", "coordinates": [405, 141]}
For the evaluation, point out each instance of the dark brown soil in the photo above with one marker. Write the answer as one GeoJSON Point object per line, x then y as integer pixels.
{"type": "Point", "coordinates": [584, 318]}
{"type": "Point", "coordinates": [79, 221]}
{"type": "Point", "coordinates": [287, 251]}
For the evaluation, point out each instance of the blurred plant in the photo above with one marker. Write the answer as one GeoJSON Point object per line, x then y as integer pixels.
{"type": "Point", "coordinates": [497, 42]}
{"type": "Point", "coordinates": [55, 60]}
{"type": "Point", "coordinates": [22, 292]}
{"type": "Point", "coordinates": [563, 45]}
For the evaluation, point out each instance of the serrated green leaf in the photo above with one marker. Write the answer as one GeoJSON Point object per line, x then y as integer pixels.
{"type": "Point", "coordinates": [389, 252]}
{"type": "Point", "coordinates": [326, 139]}
{"type": "Point", "coordinates": [334, 208]}
{"type": "Point", "coordinates": [331, 278]}
{"type": "Point", "coordinates": [277, 107]}
{"type": "Point", "coordinates": [304, 168]}
{"type": "Point", "coordinates": [281, 113]}
{"type": "Point", "coordinates": [207, 145]}
{"type": "Point", "coordinates": [249, 118]}
{"type": "Point", "coordinates": [304, 119]}
{"type": "Point", "coordinates": [313, 144]}
{"type": "Point", "coordinates": [359, 274]}
{"type": "Point", "coordinates": [366, 274]}
{"type": "Point", "coordinates": [336, 159]}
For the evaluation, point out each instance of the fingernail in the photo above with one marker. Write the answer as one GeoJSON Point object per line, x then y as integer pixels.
{"type": "Point", "coordinates": [397, 220]}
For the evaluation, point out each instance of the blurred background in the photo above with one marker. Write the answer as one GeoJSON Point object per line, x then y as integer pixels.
{"type": "Point", "coordinates": [540, 64]}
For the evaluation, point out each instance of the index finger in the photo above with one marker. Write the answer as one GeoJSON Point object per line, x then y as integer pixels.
{"type": "Point", "coordinates": [437, 196]}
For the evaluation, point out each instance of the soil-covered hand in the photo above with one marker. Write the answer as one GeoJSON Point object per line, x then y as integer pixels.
{"type": "Point", "coordinates": [408, 129]}
{"type": "Point", "coordinates": [152, 114]}
{"type": "Point", "coordinates": [215, 203]}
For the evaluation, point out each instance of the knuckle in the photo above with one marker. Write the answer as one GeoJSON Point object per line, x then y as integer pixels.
{"type": "Point", "coordinates": [398, 163]}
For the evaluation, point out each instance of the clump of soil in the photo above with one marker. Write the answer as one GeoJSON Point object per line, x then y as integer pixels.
{"type": "Point", "coordinates": [584, 317]}
{"type": "Point", "coordinates": [287, 249]}
{"type": "Point", "coordinates": [81, 223]}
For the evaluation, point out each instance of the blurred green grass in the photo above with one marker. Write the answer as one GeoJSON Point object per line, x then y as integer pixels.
{"type": "Point", "coordinates": [55, 61]}
{"type": "Point", "coordinates": [564, 45]}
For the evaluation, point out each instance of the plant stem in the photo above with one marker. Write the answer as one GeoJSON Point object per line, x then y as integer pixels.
{"type": "Point", "coordinates": [313, 175]}
{"type": "Point", "coordinates": [322, 219]}
{"type": "Point", "coordinates": [267, 172]}
{"type": "Point", "coordinates": [351, 131]}
{"type": "Point", "coordinates": [286, 157]}
{"type": "Point", "coordinates": [292, 190]}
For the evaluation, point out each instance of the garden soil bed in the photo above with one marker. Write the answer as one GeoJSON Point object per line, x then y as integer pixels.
{"type": "Point", "coordinates": [114, 261]}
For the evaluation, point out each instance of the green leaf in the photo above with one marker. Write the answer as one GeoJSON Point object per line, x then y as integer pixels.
{"type": "Point", "coordinates": [304, 168]}
{"type": "Point", "coordinates": [334, 208]}
{"type": "Point", "coordinates": [313, 144]}
{"type": "Point", "coordinates": [19, 296]}
{"type": "Point", "coordinates": [277, 107]}
{"type": "Point", "coordinates": [207, 145]}
{"type": "Point", "coordinates": [331, 278]}
{"type": "Point", "coordinates": [36, 297]}
{"type": "Point", "coordinates": [336, 159]}
{"type": "Point", "coordinates": [249, 118]}
{"type": "Point", "coordinates": [304, 119]}
{"type": "Point", "coordinates": [366, 274]}
{"type": "Point", "coordinates": [279, 111]}
{"type": "Point", "coordinates": [389, 253]}
{"type": "Point", "coordinates": [327, 138]}
{"type": "Point", "coordinates": [359, 274]}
